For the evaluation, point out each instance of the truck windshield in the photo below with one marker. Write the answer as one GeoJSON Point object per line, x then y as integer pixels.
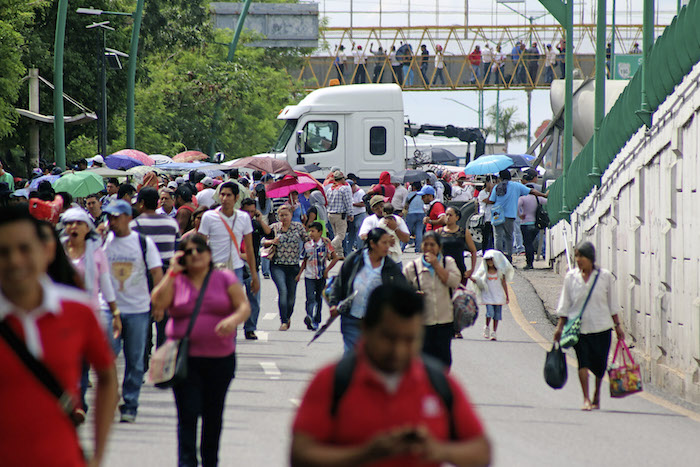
{"type": "Point", "coordinates": [285, 134]}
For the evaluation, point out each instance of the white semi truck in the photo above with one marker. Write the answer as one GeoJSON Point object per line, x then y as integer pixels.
{"type": "Point", "coordinates": [359, 128]}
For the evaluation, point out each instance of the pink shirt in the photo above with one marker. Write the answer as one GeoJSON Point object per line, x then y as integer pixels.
{"type": "Point", "coordinates": [216, 306]}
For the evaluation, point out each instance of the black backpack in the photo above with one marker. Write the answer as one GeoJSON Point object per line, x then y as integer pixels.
{"type": "Point", "coordinates": [448, 189]}
{"type": "Point", "coordinates": [541, 216]}
{"type": "Point", "coordinates": [433, 368]}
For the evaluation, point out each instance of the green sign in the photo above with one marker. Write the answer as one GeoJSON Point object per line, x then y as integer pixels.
{"type": "Point", "coordinates": [626, 65]}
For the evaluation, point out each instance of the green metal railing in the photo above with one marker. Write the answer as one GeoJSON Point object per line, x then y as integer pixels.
{"type": "Point", "coordinates": [672, 57]}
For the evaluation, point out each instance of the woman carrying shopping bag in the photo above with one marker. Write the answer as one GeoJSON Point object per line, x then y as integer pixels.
{"type": "Point", "coordinates": [211, 360]}
{"type": "Point", "coordinates": [435, 276]}
{"type": "Point", "coordinates": [589, 294]}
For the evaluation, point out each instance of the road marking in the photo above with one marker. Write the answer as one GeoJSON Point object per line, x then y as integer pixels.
{"type": "Point", "coordinates": [269, 316]}
{"type": "Point", "coordinates": [262, 335]}
{"type": "Point", "coordinates": [271, 370]}
{"type": "Point", "coordinates": [517, 314]}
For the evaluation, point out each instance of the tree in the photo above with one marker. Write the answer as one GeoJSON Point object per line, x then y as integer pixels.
{"type": "Point", "coordinates": [508, 128]}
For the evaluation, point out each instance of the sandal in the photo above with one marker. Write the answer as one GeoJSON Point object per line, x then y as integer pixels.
{"type": "Point", "coordinates": [587, 407]}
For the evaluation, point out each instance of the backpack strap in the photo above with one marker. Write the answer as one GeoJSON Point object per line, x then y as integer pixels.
{"type": "Point", "coordinates": [341, 379]}
{"type": "Point", "coordinates": [342, 376]}
{"type": "Point", "coordinates": [438, 380]}
{"type": "Point", "coordinates": [144, 247]}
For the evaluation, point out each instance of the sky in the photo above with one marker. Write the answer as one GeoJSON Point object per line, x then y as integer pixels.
{"type": "Point", "coordinates": [433, 107]}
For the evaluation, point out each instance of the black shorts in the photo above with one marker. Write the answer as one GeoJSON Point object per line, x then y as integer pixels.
{"type": "Point", "coordinates": [592, 351]}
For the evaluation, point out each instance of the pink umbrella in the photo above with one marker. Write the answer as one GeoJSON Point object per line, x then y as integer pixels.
{"type": "Point", "coordinates": [300, 183]}
{"type": "Point", "coordinates": [190, 156]}
{"type": "Point", "coordinates": [136, 155]}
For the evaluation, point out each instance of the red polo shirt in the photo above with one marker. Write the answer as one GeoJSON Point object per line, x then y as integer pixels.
{"type": "Point", "coordinates": [61, 332]}
{"type": "Point", "coordinates": [368, 409]}
{"type": "Point", "coordinates": [435, 212]}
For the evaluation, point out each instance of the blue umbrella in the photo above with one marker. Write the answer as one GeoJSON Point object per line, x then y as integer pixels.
{"type": "Point", "coordinates": [521, 160]}
{"type": "Point", "coordinates": [485, 165]}
{"type": "Point", "coordinates": [119, 162]}
{"type": "Point", "coordinates": [34, 184]}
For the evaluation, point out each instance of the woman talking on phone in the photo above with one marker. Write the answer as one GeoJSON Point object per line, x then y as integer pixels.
{"type": "Point", "coordinates": [212, 357]}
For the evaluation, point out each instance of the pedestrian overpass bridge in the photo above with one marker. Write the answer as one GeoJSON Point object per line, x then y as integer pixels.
{"type": "Point", "coordinates": [528, 71]}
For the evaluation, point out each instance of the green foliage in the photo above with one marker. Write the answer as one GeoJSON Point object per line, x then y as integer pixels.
{"type": "Point", "coordinates": [175, 111]}
{"type": "Point", "coordinates": [508, 127]}
{"type": "Point", "coordinates": [81, 147]}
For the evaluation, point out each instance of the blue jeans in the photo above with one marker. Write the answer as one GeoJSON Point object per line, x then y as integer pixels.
{"type": "Point", "coordinates": [518, 245]}
{"type": "Point", "coordinates": [284, 277]}
{"type": "Point", "coordinates": [351, 329]}
{"type": "Point", "coordinates": [133, 341]}
{"type": "Point", "coordinates": [503, 238]}
{"type": "Point", "coordinates": [408, 75]}
{"type": "Point", "coordinates": [251, 323]}
{"type": "Point", "coordinates": [352, 239]}
{"type": "Point", "coordinates": [265, 265]}
{"type": "Point", "coordinates": [314, 299]}
{"type": "Point", "coordinates": [415, 225]}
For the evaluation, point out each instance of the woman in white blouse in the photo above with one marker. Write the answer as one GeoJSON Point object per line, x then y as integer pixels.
{"type": "Point", "coordinates": [596, 321]}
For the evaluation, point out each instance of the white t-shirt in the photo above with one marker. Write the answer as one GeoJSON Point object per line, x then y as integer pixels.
{"type": "Point", "coordinates": [357, 198]}
{"type": "Point", "coordinates": [359, 57]}
{"type": "Point", "coordinates": [206, 197]}
{"type": "Point", "coordinates": [399, 198]}
{"type": "Point", "coordinates": [128, 272]}
{"type": "Point", "coordinates": [462, 193]}
{"type": "Point", "coordinates": [372, 221]}
{"type": "Point", "coordinates": [219, 239]}
{"type": "Point", "coordinates": [493, 294]}
{"type": "Point", "coordinates": [486, 55]}
{"type": "Point", "coordinates": [485, 208]}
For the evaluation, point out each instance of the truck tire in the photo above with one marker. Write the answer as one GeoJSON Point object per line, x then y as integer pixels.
{"type": "Point", "coordinates": [467, 209]}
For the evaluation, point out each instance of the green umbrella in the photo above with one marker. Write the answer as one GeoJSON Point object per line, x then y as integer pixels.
{"type": "Point", "coordinates": [79, 184]}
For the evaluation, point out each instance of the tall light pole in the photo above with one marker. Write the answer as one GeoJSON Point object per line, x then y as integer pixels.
{"type": "Point", "coordinates": [102, 116]}
{"type": "Point", "coordinates": [59, 130]}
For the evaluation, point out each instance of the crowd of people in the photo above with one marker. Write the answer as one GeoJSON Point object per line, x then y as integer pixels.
{"type": "Point", "coordinates": [485, 65]}
{"type": "Point", "coordinates": [178, 252]}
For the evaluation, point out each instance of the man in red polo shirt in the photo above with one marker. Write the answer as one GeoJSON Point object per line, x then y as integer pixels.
{"type": "Point", "coordinates": [390, 412]}
{"type": "Point", "coordinates": [59, 328]}
{"type": "Point", "coordinates": [435, 213]}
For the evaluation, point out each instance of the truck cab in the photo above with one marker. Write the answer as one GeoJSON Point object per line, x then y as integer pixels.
{"type": "Point", "coordinates": [359, 128]}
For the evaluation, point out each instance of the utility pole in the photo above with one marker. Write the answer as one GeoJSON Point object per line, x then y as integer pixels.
{"type": "Point", "coordinates": [599, 88]}
{"type": "Point", "coordinates": [34, 107]}
{"type": "Point", "coordinates": [59, 130]}
{"type": "Point", "coordinates": [131, 77]}
{"type": "Point", "coordinates": [644, 113]}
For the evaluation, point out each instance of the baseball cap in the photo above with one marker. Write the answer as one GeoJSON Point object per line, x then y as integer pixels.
{"type": "Point", "coordinates": [426, 190]}
{"type": "Point", "coordinates": [208, 181]}
{"type": "Point", "coordinates": [461, 175]}
{"type": "Point", "coordinates": [172, 185]}
{"type": "Point", "coordinates": [98, 160]}
{"type": "Point", "coordinates": [118, 207]}
{"type": "Point", "coordinates": [376, 199]}
{"type": "Point", "coordinates": [530, 174]}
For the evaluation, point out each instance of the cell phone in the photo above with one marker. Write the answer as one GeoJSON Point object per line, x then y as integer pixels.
{"type": "Point", "coordinates": [411, 436]}
{"type": "Point", "coordinates": [181, 261]}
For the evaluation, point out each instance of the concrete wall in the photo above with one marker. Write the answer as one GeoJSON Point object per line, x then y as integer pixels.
{"type": "Point", "coordinates": [645, 222]}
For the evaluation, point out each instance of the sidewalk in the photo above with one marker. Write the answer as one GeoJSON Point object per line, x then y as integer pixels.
{"type": "Point", "coordinates": [546, 282]}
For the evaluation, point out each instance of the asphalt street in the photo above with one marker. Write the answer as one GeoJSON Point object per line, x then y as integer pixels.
{"type": "Point", "coordinates": [529, 423]}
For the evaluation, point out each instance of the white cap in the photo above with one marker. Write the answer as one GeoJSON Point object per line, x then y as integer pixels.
{"type": "Point", "coordinates": [98, 160]}
{"type": "Point", "coordinates": [208, 181]}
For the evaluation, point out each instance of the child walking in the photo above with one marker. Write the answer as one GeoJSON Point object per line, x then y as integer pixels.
{"type": "Point", "coordinates": [491, 279]}
{"type": "Point", "coordinates": [315, 267]}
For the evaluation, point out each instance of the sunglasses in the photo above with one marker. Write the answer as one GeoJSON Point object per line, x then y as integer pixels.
{"type": "Point", "coordinates": [199, 249]}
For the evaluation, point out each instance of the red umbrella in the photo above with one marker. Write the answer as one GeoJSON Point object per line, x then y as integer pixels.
{"type": "Point", "coordinates": [300, 183]}
{"type": "Point", "coordinates": [190, 156]}
{"type": "Point", "coordinates": [136, 155]}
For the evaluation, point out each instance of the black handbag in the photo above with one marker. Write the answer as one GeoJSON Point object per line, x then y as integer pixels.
{"type": "Point", "coordinates": [555, 372]}
{"type": "Point", "coordinates": [168, 365]}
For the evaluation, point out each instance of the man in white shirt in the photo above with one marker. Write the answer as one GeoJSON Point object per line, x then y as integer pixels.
{"type": "Point", "coordinates": [352, 238]}
{"type": "Point", "coordinates": [206, 196]}
{"type": "Point", "coordinates": [226, 230]}
{"type": "Point", "coordinates": [360, 69]}
{"type": "Point", "coordinates": [399, 198]}
{"type": "Point", "coordinates": [167, 202]}
{"type": "Point", "coordinates": [397, 224]}
{"type": "Point", "coordinates": [461, 191]}
{"type": "Point", "coordinates": [486, 59]}
{"type": "Point", "coordinates": [126, 251]}
{"type": "Point", "coordinates": [550, 61]}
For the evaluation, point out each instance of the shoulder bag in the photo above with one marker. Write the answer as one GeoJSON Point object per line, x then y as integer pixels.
{"type": "Point", "coordinates": [43, 374]}
{"type": "Point", "coordinates": [234, 240]}
{"type": "Point", "coordinates": [497, 215]}
{"type": "Point", "coordinates": [168, 365]}
{"type": "Point", "coordinates": [541, 215]}
{"type": "Point", "coordinates": [572, 329]}
{"type": "Point", "coordinates": [269, 251]}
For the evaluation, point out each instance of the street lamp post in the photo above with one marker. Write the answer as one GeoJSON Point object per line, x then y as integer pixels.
{"type": "Point", "coordinates": [102, 73]}
{"type": "Point", "coordinates": [59, 130]}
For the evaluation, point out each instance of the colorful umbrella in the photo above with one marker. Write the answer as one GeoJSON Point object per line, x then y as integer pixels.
{"type": "Point", "coordinates": [300, 183]}
{"type": "Point", "coordinates": [79, 184]}
{"type": "Point", "coordinates": [161, 159]}
{"type": "Point", "coordinates": [189, 156]}
{"type": "Point", "coordinates": [485, 165]}
{"type": "Point", "coordinates": [137, 155]}
{"type": "Point", "coordinates": [119, 162]}
{"type": "Point", "coordinates": [34, 184]}
{"type": "Point", "coordinates": [265, 163]}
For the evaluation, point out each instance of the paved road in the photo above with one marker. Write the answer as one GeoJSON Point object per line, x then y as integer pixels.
{"type": "Point", "coordinates": [529, 423]}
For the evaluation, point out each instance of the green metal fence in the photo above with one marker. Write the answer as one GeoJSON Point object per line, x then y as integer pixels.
{"type": "Point", "coordinates": [674, 54]}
